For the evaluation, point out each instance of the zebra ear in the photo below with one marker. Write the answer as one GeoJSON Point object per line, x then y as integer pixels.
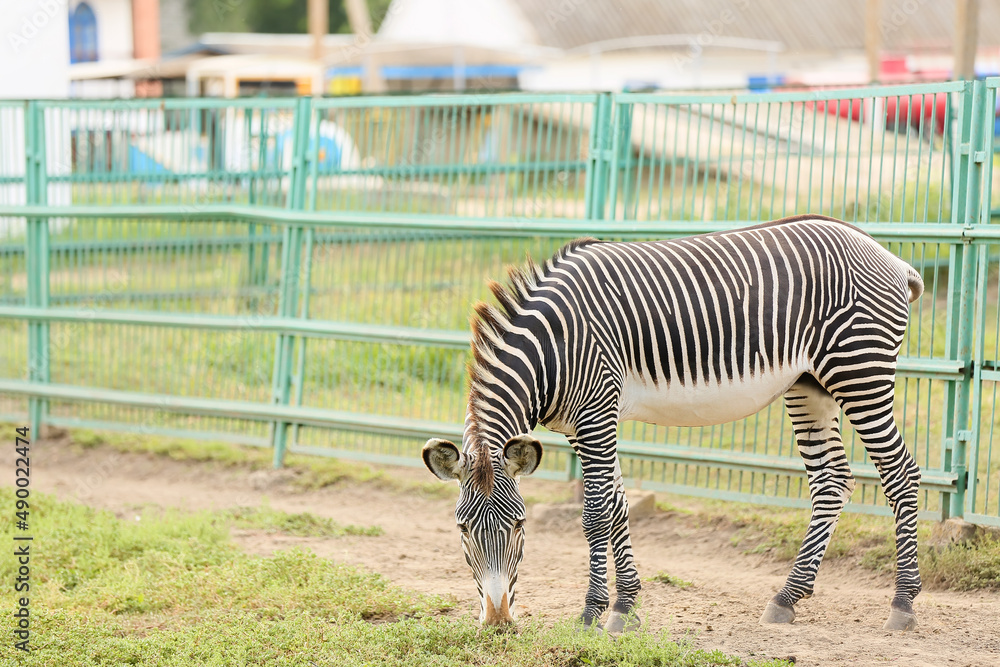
{"type": "Point", "coordinates": [443, 459]}
{"type": "Point", "coordinates": [521, 455]}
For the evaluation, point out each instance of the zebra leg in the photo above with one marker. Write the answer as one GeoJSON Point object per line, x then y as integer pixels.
{"type": "Point", "coordinates": [622, 617]}
{"type": "Point", "coordinates": [870, 413]}
{"type": "Point", "coordinates": [597, 530]}
{"type": "Point", "coordinates": [815, 419]}
{"type": "Point", "coordinates": [598, 458]}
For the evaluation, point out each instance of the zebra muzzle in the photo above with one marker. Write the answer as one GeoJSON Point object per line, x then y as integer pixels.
{"type": "Point", "coordinates": [496, 609]}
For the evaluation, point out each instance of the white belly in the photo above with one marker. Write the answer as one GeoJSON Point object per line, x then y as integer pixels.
{"type": "Point", "coordinates": [702, 404]}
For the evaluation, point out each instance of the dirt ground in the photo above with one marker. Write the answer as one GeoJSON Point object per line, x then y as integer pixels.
{"type": "Point", "coordinates": [840, 625]}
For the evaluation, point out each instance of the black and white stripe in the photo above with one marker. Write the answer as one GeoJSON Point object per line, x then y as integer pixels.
{"type": "Point", "coordinates": [685, 332]}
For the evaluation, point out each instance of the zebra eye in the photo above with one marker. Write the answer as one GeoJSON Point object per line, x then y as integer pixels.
{"type": "Point", "coordinates": [519, 524]}
{"type": "Point", "coordinates": [465, 529]}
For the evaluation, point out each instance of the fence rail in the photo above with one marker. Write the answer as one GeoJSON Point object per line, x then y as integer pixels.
{"type": "Point", "coordinates": [298, 273]}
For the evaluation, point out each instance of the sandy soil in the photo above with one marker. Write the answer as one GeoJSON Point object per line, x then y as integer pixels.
{"type": "Point", "coordinates": [840, 625]}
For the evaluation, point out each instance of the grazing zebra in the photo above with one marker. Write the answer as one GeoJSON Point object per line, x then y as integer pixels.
{"type": "Point", "coordinates": [687, 332]}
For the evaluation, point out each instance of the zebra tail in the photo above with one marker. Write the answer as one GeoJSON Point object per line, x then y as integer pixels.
{"type": "Point", "coordinates": [915, 283]}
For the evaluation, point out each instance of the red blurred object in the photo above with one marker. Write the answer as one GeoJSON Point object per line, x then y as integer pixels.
{"type": "Point", "coordinates": [925, 108]}
{"type": "Point", "coordinates": [898, 111]}
{"type": "Point", "coordinates": [894, 70]}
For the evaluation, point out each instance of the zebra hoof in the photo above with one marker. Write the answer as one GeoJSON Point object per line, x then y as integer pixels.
{"type": "Point", "coordinates": [900, 621]}
{"type": "Point", "coordinates": [618, 623]}
{"type": "Point", "coordinates": [587, 624]}
{"type": "Point", "coordinates": [776, 613]}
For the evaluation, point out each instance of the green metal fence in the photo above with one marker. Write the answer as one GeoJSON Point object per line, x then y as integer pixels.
{"type": "Point", "coordinates": [299, 273]}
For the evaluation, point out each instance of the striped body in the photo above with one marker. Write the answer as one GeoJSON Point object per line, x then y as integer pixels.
{"type": "Point", "coordinates": [693, 332]}
{"type": "Point", "coordinates": [708, 336]}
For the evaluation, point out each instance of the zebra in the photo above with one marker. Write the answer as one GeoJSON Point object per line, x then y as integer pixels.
{"type": "Point", "coordinates": [693, 331]}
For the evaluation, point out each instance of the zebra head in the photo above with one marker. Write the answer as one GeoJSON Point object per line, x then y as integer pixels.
{"type": "Point", "coordinates": [490, 514]}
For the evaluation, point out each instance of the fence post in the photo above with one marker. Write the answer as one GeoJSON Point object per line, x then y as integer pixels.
{"type": "Point", "coordinates": [621, 161]}
{"type": "Point", "coordinates": [254, 263]}
{"type": "Point", "coordinates": [37, 256]}
{"type": "Point", "coordinates": [309, 204]}
{"type": "Point", "coordinates": [291, 267]}
{"type": "Point", "coordinates": [967, 207]}
{"type": "Point", "coordinates": [978, 354]}
{"type": "Point", "coordinates": [599, 159]}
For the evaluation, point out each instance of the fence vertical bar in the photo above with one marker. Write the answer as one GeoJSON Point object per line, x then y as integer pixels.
{"type": "Point", "coordinates": [599, 159]}
{"type": "Point", "coordinates": [967, 211]}
{"type": "Point", "coordinates": [978, 161]}
{"type": "Point", "coordinates": [956, 255]}
{"type": "Point", "coordinates": [37, 255]}
{"type": "Point", "coordinates": [291, 262]}
{"type": "Point", "coordinates": [621, 154]}
{"type": "Point", "coordinates": [309, 203]}
{"type": "Point", "coordinates": [960, 434]}
{"type": "Point", "coordinates": [300, 372]}
{"type": "Point", "coordinates": [257, 258]}
{"type": "Point", "coordinates": [978, 355]}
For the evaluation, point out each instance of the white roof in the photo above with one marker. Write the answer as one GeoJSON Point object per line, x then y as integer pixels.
{"type": "Point", "coordinates": [491, 24]}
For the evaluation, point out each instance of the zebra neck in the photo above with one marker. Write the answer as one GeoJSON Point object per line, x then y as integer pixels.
{"type": "Point", "coordinates": [506, 397]}
{"type": "Point", "coordinates": [498, 412]}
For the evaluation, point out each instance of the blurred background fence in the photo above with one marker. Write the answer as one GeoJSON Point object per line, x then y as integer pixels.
{"type": "Point", "coordinates": [299, 273]}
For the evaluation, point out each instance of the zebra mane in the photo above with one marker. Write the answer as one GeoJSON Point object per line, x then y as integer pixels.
{"type": "Point", "coordinates": [491, 323]}
{"type": "Point", "coordinates": [488, 328]}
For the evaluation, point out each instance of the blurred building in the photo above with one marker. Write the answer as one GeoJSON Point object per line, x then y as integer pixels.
{"type": "Point", "coordinates": [113, 45]}
{"type": "Point", "coordinates": [433, 45]}
{"type": "Point", "coordinates": [112, 48]}
{"type": "Point", "coordinates": [638, 44]}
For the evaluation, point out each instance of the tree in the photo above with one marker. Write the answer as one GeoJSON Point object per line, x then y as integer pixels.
{"type": "Point", "coordinates": [269, 16]}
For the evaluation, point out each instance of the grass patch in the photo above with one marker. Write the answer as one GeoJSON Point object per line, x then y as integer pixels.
{"type": "Point", "coordinates": [304, 524]}
{"type": "Point", "coordinates": [185, 563]}
{"type": "Point", "coordinates": [778, 532]}
{"type": "Point", "coordinates": [670, 580]}
{"type": "Point", "coordinates": [308, 640]}
{"type": "Point", "coordinates": [962, 567]}
{"type": "Point", "coordinates": [171, 589]}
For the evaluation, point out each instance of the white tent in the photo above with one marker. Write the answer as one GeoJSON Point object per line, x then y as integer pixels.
{"type": "Point", "coordinates": [458, 33]}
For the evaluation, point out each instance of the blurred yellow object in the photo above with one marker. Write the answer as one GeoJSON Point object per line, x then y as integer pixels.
{"type": "Point", "coordinates": [345, 85]}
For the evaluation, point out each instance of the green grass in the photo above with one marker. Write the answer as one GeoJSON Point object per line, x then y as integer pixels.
{"type": "Point", "coordinates": [171, 589]}
{"type": "Point", "coordinates": [90, 560]}
{"type": "Point", "coordinates": [670, 580]}
{"type": "Point", "coordinates": [780, 533]}
{"type": "Point", "coordinates": [968, 567]}
{"type": "Point", "coordinates": [222, 638]}
{"type": "Point", "coordinates": [303, 524]}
